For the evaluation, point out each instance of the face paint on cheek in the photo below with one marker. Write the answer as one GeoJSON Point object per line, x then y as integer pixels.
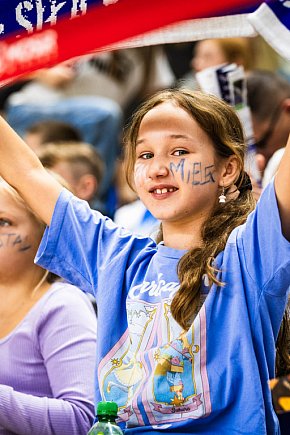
{"type": "Point", "coordinates": [14, 240]}
{"type": "Point", "coordinates": [140, 173]}
{"type": "Point", "coordinates": [5, 239]}
{"type": "Point", "coordinates": [195, 173]}
{"type": "Point", "coordinates": [23, 245]}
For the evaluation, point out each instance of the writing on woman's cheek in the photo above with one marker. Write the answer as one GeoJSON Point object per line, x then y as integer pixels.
{"type": "Point", "coordinates": [14, 240]}
{"type": "Point", "coordinates": [195, 173]}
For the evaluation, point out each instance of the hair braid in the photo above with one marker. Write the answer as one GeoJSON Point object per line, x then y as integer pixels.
{"type": "Point", "coordinates": [199, 261]}
{"type": "Point", "coordinates": [283, 345]}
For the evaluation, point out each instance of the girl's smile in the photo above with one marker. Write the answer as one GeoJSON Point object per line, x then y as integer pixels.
{"type": "Point", "coordinates": [163, 191]}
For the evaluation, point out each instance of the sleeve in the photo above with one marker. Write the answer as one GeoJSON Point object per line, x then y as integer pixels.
{"type": "Point", "coordinates": [66, 335]}
{"type": "Point", "coordinates": [80, 244]}
{"type": "Point", "coordinates": [265, 250]}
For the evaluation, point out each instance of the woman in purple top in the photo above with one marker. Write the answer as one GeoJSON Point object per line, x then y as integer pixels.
{"type": "Point", "coordinates": [47, 335]}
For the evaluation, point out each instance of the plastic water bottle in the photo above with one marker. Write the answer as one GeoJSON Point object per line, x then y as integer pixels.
{"type": "Point", "coordinates": [107, 414]}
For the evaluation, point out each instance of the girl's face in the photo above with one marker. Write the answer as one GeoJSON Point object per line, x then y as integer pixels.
{"type": "Point", "coordinates": [19, 238]}
{"type": "Point", "coordinates": [176, 173]}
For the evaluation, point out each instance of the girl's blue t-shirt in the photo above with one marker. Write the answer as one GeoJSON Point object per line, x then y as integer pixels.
{"type": "Point", "coordinates": [211, 379]}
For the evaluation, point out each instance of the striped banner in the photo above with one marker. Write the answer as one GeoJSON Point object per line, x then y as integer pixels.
{"type": "Point", "coordinates": [41, 33]}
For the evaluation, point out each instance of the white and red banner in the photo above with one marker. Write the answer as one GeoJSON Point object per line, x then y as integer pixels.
{"type": "Point", "coordinates": [41, 33]}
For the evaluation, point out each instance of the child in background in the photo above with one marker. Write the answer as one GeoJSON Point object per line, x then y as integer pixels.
{"type": "Point", "coordinates": [48, 131]}
{"type": "Point", "coordinates": [79, 164]}
{"type": "Point", "coordinates": [47, 335]}
{"type": "Point", "coordinates": [186, 327]}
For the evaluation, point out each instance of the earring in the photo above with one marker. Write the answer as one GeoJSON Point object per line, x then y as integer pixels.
{"type": "Point", "coordinates": [222, 197]}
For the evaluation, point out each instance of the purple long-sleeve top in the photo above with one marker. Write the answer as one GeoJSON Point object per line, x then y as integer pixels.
{"type": "Point", "coordinates": [47, 366]}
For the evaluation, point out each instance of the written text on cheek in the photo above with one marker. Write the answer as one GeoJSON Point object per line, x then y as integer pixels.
{"type": "Point", "coordinates": [195, 173]}
{"type": "Point", "coordinates": [14, 240]}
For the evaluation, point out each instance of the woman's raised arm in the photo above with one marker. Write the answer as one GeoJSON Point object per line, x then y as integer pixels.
{"type": "Point", "coordinates": [20, 167]}
{"type": "Point", "coordinates": [282, 187]}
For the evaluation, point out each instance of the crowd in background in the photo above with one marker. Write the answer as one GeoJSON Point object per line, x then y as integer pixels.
{"type": "Point", "coordinates": [73, 116]}
{"type": "Point", "coordinates": [96, 95]}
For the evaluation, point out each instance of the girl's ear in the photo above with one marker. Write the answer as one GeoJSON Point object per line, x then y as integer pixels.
{"type": "Point", "coordinates": [86, 187]}
{"type": "Point", "coordinates": [229, 172]}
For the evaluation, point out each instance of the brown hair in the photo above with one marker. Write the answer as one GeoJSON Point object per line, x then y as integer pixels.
{"type": "Point", "coordinates": [266, 91]}
{"type": "Point", "coordinates": [238, 50]}
{"type": "Point", "coordinates": [221, 123]}
{"type": "Point", "coordinates": [51, 130]}
{"type": "Point", "coordinates": [83, 158]}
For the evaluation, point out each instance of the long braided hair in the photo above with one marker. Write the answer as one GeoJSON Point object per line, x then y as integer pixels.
{"type": "Point", "coordinates": [221, 123]}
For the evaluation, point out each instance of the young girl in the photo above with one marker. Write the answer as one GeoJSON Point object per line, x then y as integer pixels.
{"type": "Point", "coordinates": [187, 327]}
{"type": "Point", "coordinates": [47, 335]}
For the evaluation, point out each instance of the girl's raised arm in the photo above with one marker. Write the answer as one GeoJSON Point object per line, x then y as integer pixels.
{"type": "Point", "coordinates": [20, 167]}
{"type": "Point", "coordinates": [282, 187]}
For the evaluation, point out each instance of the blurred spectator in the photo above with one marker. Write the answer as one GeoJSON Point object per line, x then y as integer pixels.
{"type": "Point", "coordinates": [98, 119]}
{"type": "Point", "coordinates": [211, 52]}
{"type": "Point", "coordinates": [269, 101]}
{"type": "Point", "coordinates": [79, 164]}
{"type": "Point", "coordinates": [47, 335]}
{"type": "Point", "coordinates": [218, 51]}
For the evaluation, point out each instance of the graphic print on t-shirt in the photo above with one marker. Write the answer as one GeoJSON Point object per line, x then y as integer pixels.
{"type": "Point", "coordinates": [156, 367]}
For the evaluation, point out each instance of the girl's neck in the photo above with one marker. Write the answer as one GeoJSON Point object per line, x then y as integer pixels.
{"type": "Point", "coordinates": [178, 236]}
